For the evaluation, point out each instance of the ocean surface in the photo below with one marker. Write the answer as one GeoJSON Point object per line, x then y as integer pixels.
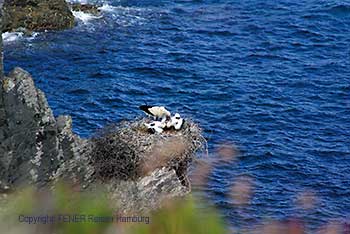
{"type": "Point", "coordinates": [271, 76]}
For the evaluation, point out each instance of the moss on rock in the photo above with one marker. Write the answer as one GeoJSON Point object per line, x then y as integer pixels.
{"type": "Point", "coordinates": [36, 15]}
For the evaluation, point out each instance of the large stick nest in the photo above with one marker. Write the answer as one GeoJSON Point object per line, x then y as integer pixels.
{"type": "Point", "coordinates": [128, 151]}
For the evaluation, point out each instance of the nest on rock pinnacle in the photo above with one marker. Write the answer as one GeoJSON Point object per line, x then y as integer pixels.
{"type": "Point", "coordinates": [128, 151]}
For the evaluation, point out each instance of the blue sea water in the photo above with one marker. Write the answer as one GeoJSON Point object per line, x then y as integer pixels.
{"type": "Point", "coordinates": [271, 76]}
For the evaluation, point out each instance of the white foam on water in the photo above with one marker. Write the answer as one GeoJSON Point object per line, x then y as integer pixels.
{"type": "Point", "coordinates": [11, 36]}
{"type": "Point", "coordinates": [33, 36]}
{"type": "Point", "coordinates": [107, 8]}
{"type": "Point", "coordinates": [110, 8]}
{"type": "Point", "coordinates": [126, 16]}
{"type": "Point", "coordinates": [84, 17]}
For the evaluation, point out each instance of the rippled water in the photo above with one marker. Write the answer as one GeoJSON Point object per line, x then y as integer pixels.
{"type": "Point", "coordinates": [272, 76]}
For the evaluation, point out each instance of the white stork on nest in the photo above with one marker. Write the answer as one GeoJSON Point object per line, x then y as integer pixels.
{"type": "Point", "coordinates": [167, 121]}
{"type": "Point", "coordinates": [158, 112]}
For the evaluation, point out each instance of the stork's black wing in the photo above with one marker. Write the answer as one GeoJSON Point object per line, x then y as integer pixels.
{"type": "Point", "coordinates": [146, 108]}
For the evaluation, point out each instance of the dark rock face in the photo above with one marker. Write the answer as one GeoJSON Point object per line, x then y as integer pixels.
{"type": "Point", "coordinates": [30, 139]}
{"type": "Point", "coordinates": [37, 148]}
{"type": "Point", "coordinates": [36, 15]}
{"type": "Point", "coordinates": [148, 192]}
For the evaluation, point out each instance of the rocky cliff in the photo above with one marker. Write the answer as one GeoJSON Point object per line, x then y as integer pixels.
{"type": "Point", "coordinates": [32, 142]}
{"type": "Point", "coordinates": [36, 15]}
{"type": "Point", "coordinates": [37, 148]}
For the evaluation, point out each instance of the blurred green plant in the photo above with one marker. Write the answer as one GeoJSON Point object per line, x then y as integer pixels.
{"type": "Point", "coordinates": [176, 217]}
{"type": "Point", "coordinates": [60, 202]}
{"type": "Point", "coordinates": [181, 217]}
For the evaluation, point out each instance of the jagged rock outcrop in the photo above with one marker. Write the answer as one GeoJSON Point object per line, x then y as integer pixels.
{"type": "Point", "coordinates": [37, 148]}
{"type": "Point", "coordinates": [148, 192]}
{"type": "Point", "coordinates": [32, 143]}
{"type": "Point", "coordinates": [36, 15]}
